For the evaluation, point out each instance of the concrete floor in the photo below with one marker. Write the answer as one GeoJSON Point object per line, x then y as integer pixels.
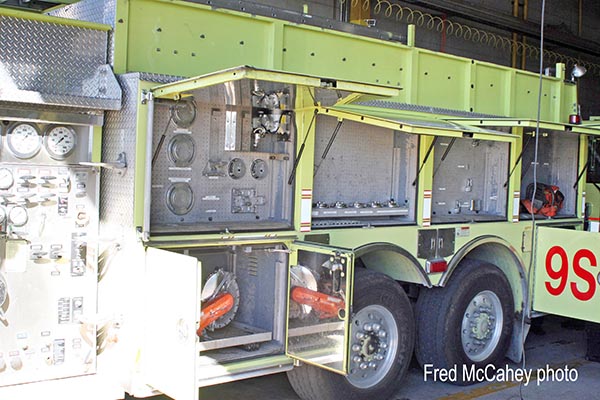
{"type": "Point", "coordinates": [562, 345]}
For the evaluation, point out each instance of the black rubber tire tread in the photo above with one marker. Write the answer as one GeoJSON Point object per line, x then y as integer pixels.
{"type": "Point", "coordinates": [313, 383]}
{"type": "Point", "coordinates": [439, 313]}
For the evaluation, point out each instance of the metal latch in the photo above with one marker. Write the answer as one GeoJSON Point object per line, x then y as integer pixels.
{"type": "Point", "coordinates": [120, 164]}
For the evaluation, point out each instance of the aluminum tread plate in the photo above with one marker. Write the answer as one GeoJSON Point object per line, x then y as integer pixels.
{"type": "Point", "coordinates": [37, 68]}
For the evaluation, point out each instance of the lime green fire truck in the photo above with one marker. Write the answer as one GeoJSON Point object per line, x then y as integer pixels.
{"type": "Point", "coordinates": [200, 192]}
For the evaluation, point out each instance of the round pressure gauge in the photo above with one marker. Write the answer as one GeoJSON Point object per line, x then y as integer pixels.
{"type": "Point", "coordinates": [6, 178]}
{"type": "Point", "coordinates": [24, 140]}
{"type": "Point", "coordinates": [182, 150]}
{"type": "Point", "coordinates": [60, 141]}
{"type": "Point", "coordinates": [18, 216]}
{"type": "Point", "coordinates": [180, 198]}
{"type": "Point", "coordinates": [184, 113]}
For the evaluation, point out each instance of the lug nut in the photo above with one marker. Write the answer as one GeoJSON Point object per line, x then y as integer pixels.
{"type": "Point", "coordinates": [357, 359]}
{"type": "Point", "coordinates": [376, 327]}
{"type": "Point", "coordinates": [355, 348]}
{"type": "Point", "coordinates": [363, 365]}
{"type": "Point", "coordinates": [382, 333]}
{"type": "Point", "coordinates": [372, 365]}
{"type": "Point", "coordinates": [383, 345]}
{"type": "Point", "coordinates": [368, 327]}
{"type": "Point", "coordinates": [360, 335]}
{"type": "Point", "coordinates": [379, 357]}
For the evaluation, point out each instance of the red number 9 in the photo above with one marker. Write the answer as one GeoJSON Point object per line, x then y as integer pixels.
{"type": "Point", "coordinates": [561, 273]}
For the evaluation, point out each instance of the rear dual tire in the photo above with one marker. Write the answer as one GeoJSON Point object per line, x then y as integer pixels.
{"type": "Point", "coordinates": [468, 323]}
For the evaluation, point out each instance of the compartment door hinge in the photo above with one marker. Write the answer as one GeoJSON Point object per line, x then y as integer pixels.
{"type": "Point", "coordinates": [146, 96]}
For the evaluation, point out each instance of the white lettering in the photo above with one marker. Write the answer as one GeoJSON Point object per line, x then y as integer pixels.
{"type": "Point", "coordinates": [439, 374]}
{"type": "Point", "coordinates": [489, 376]}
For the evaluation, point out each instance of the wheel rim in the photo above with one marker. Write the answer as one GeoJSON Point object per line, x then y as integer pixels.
{"type": "Point", "coordinates": [482, 326]}
{"type": "Point", "coordinates": [373, 346]}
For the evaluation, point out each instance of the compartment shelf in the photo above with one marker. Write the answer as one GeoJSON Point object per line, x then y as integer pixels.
{"type": "Point", "coordinates": [236, 334]}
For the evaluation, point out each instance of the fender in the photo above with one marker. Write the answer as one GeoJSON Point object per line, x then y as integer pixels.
{"type": "Point", "coordinates": [393, 261]}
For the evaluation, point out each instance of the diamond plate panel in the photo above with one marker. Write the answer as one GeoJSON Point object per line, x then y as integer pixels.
{"type": "Point", "coordinates": [48, 63]}
{"type": "Point", "coordinates": [98, 11]}
{"type": "Point", "coordinates": [426, 109]}
{"type": "Point", "coordinates": [117, 191]}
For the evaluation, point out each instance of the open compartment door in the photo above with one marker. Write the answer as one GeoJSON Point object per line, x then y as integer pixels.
{"type": "Point", "coordinates": [172, 316]}
{"type": "Point", "coordinates": [218, 146]}
{"type": "Point", "coordinates": [320, 292]}
{"type": "Point", "coordinates": [567, 274]}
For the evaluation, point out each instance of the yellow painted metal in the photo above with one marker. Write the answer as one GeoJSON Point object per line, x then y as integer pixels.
{"type": "Point", "coordinates": [96, 144]}
{"type": "Point", "coordinates": [140, 159]}
{"type": "Point", "coordinates": [566, 274]}
{"type": "Point", "coordinates": [177, 89]}
{"type": "Point", "coordinates": [328, 250]}
{"type": "Point", "coordinates": [421, 125]}
{"type": "Point", "coordinates": [509, 122]}
{"type": "Point", "coordinates": [587, 129]}
{"type": "Point", "coordinates": [14, 13]}
{"type": "Point", "coordinates": [121, 37]}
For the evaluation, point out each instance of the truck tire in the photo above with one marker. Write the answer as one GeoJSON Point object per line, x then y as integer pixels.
{"type": "Point", "coordinates": [381, 309]}
{"type": "Point", "coordinates": [466, 323]}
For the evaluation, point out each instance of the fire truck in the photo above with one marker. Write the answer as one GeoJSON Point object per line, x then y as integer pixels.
{"type": "Point", "coordinates": [199, 192]}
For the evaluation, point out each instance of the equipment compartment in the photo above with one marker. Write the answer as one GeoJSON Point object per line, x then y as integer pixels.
{"type": "Point", "coordinates": [221, 158]}
{"type": "Point", "coordinates": [353, 187]}
{"type": "Point", "coordinates": [242, 301]}
{"type": "Point", "coordinates": [468, 180]}
{"type": "Point", "coordinates": [557, 166]}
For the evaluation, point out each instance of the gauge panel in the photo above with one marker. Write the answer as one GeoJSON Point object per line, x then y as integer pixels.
{"type": "Point", "coordinates": [60, 141]}
{"type": "Point", "coordinates": [24, 140]}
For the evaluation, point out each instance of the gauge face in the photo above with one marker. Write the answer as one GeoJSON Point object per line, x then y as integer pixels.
{"type": "Point", "coordinates": [24, 141]}
{"type": "Point", "coordinates": [6, 178]}
{"type": "Point", "coordinates": [18, 216]}
{"type": "Point", "coordinates": [60, 141]}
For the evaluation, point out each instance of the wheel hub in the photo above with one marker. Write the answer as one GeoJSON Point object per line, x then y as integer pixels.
{"type": "Point", "coordinates": [482, 326]}
{"type": "Point", "coordinates": [374, 345]}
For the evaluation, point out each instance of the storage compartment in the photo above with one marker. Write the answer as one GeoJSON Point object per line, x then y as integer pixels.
{"type": "Point", "coordinates": [468, 180]}
{"type": "Point", "coordinates": [253, 280]}
{"type": "Point", "coordinates": [366, 176]}
{"type": "Point", "coordinates": [557, 166]}
{"type": "Point", "coordinates": [318, 306]}
{"type": "Point", "coordinates": [221, 158]}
